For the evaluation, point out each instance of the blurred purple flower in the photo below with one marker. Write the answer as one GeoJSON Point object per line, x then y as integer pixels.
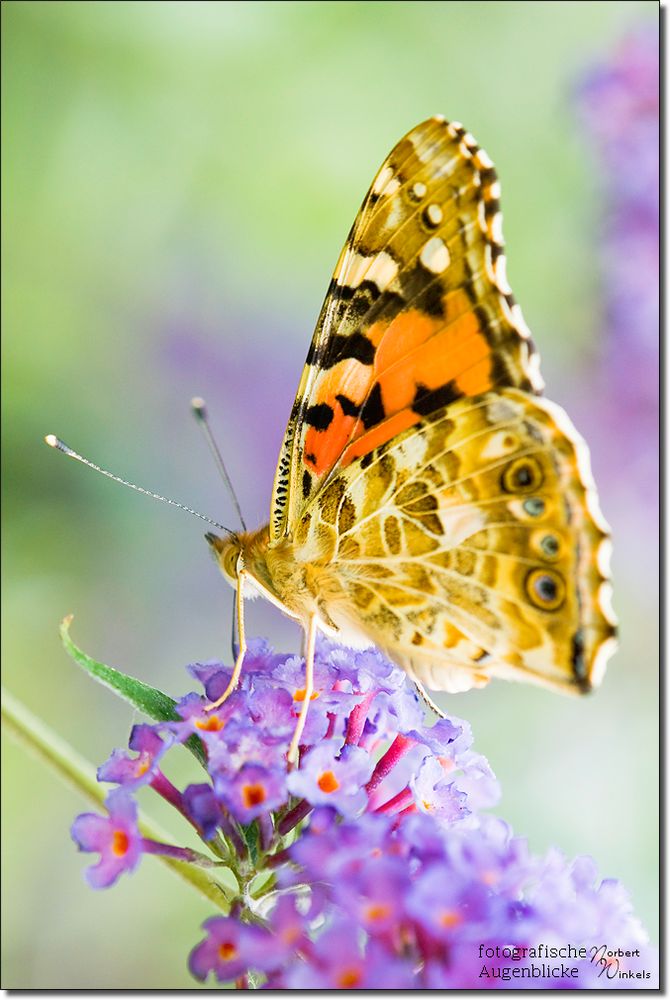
{"type": "Point", "coordinates": [618, 102]}
{"type": "Point", "coordinates": [231, 948]}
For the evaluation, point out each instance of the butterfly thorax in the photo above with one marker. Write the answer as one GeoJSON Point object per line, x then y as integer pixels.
{"type": "Point", "coordinates": [301, 589]}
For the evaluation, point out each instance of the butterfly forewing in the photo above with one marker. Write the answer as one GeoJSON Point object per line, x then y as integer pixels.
{"type": "Point", "coordinates": [436, 504]}
{"type": "Point", "coordinates": [418, 313]}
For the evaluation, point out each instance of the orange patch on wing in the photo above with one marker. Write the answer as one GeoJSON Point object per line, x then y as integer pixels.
{"type": "Point", "coordinates": [380, 434]}
{"type": "Point", "coordinates": [458, 352]}
{"type": "Point", "coordinates": [353, 380]}
{"type": "Point", "coordinates": [415, 349]}
{"type": "Point", "coordinates": [401, 337]}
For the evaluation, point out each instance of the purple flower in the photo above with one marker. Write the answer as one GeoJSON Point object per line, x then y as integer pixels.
{"type": "Point", "coordinates": [202, 807]}
{"type": "Point", "coordinates": [618, 101]}
{"type": "Point", "coordinates": [232, 948]}
{"type": "Point", "coordinates": [336, 964]}
{"type": "Point", "coordinates": [135, 771]}
{"type": "Point", "coordinates": [379, 869]}
{"type": "Point", "coordinates": [435, 793]}
{"type": "Point", "coordinates": [201, 721]}
{"type": "Point", "coordinates": [254, 790]}
{"type": "Point", "coordinates": [289, 924]}
{"type": "Point", "coordinates": [328, 776]}
{"type": "Point", "coordinates": [115, 838]}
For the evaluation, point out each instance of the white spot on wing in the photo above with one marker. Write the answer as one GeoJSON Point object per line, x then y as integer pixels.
{"type": "Point", "coordinates": [435, 256]}
{"type": "Point", "coordinates": [499, 444]}
{"type": "Point", "coordinates": [496, 228]}
{"type": "Point", "coordinates": [434, 213]}
{"type": "Point", "coordinates": [382, 179]}
{"type": "Point", "coordinates": [501, 275]}
{"type": "Point", "coordinates": [520, 323]}
{"type": "Point", "coordinates": [593, 507]}
{"type": "Point", "coordinates": [488, 263]}
{"type": "Point", "coordinates": [533, 368]}
{"type": "Point", "coordinates": [604, 557]}
{"type": "Point", "coordinates": [600, 659]}
{"type": "Point", "coordinates": [380, 268]}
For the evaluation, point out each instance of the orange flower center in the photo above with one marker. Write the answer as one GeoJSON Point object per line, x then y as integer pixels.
{"type": "Point", "coordinates": [299, 694]}
{"type": "Point", "coordinates": [377, 911]}
{"type": "Point", "coordinates": [328, 782]}
{"type": "Point", "coordinates": [448, 918]}
{"type": "Point", "coordinates": [212, 724]}
{"type": "Point", "coordinates": [349, 979]}
{"type": "Point", "coordinates": [120, 843]}
{"type": "Point", "coordinates": [227, 951]}
{"type": "Point", "coordinates": [253, 795]}
{"type": "Point", "coordinates": [142, 764]}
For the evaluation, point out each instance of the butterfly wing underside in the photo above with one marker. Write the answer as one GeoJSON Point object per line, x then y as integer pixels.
{"type": "Point", "coordinates": [472, 546]}
{"type": "Point", "coordinates": [454, 510]}
{"type": "Point", "coordinates": [418, 313]}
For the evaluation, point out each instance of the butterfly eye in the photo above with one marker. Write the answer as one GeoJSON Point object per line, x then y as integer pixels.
{"type": "Point", "coordinates": [545, 589]}
{"type": "Point", "coordinates": [230, 562]}
{"type": "Point", "coordinates": [522, 476]}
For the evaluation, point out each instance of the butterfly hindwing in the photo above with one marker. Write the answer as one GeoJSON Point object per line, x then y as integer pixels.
{"type": "Point", "coordinates": [472, 546]}
{"type": "Point", "coordinates": [418, 314]}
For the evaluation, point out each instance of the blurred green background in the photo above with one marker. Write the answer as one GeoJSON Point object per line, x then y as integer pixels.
{"type": "Point", "coordinates": [178, 180]}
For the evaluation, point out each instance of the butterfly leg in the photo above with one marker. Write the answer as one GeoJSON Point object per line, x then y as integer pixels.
{"type": "Point", "coordinates": [427, 700]}
{"type": "Point", "coordinates": [242, 644]}
{"type": "Point", "coordinates": [310, 644]}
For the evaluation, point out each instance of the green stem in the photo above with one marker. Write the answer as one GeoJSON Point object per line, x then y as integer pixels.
{"type": "Point", "coordinates": [76, 771]}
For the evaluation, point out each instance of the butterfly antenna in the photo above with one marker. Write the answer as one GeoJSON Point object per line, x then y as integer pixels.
{"type": "Point", "coordinates": [59, 445]}
{"type": "Point", "coordinates": [200, 413]}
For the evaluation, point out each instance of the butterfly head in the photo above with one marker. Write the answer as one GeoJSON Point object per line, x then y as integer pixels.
{"type": "Point", "coordinates": [228, 552]}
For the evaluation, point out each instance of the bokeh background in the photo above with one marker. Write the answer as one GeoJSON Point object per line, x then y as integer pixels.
{"type": "Point", "coordinates": [179, 178]}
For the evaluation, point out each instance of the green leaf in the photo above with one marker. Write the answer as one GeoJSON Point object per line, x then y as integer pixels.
{"type": "Point", "coordinates": [72, 768]}
{"type": "Point", "coordinates": [251, 836]}
{"type": "Point", "coordinates": [154, 703]}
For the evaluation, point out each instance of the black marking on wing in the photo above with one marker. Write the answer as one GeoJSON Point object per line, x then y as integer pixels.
{"type": "Point", "coordinates": [319, 416]}
{"type": "Point", "coordinates": [427, 400]}
{"type": "Point", "coordinates": [354, 346]}
{"type": "Point", "coordinates": [577, 658]}
{"type": "Point", "coordinates": [306, 484]}
{"type": "Point", "coordinates": [349, 408]}
{"type": "Point", "coordinates": [373, 411]}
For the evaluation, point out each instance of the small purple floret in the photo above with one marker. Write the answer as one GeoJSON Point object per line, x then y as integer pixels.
{"type": "Point", "coordinates": [115, 838]}
{"type": "Point", "coordinates": [332, 776]}
{"type": "Point", "coordinates": [231, 948]}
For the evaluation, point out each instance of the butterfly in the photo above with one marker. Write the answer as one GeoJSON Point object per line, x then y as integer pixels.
{"type": "Point", "coordinates": [427, 498]}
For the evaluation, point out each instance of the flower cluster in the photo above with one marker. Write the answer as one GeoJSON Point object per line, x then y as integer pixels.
{"type": "Point", "coordinates": [376, 865]}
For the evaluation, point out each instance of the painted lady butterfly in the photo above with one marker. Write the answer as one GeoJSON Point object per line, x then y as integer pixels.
{"type": "Point", "coordinates": [427, 499]}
